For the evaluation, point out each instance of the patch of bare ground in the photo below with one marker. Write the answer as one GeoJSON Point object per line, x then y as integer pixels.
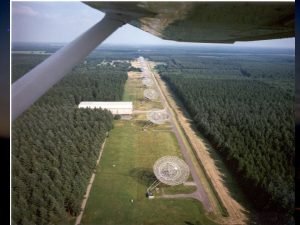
{"type": "Point", "coordinates": [134, 75]}
{"type": "Point", "coordinates": [237, 214]}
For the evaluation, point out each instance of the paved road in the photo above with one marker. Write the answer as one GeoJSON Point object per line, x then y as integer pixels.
{"type": "Point", "coordinates": [194, 195]}
{"type": "Point", "coordinates": [200, 193]}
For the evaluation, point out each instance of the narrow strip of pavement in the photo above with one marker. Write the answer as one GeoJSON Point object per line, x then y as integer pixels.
{"type": "Point", "coordinates": [200, 193]}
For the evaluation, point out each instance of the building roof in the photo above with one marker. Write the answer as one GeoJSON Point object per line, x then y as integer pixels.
{"type": "Point", "coordinates": [106, 105]}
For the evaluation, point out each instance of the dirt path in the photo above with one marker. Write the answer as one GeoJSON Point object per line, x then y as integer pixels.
{"type": "Point", "coordinates": [89, 187]}
{"type": "Point", "coordinates": [237, 213]}
{"type": "Point", "coordinates": [200, 193]}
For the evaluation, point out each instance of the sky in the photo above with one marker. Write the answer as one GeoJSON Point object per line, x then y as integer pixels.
{"type": "Point", "coordinates": [62, 22]}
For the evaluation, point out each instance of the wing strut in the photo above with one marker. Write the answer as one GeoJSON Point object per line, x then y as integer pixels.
{"type": "Point", "coordinates": [36, 82]}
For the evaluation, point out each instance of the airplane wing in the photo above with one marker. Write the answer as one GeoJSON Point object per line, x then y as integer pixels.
{"type": "Point", "coordinates": [208, 22]}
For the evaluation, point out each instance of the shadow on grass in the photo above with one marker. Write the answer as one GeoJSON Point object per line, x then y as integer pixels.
{"type": "Point", "coordinates": [145, 124]}
{"type": "Point", "coordinates": [141, 99]}
{"type": "Point", "coordinates": [144, 176]}
{"type": "Point", "coordinates": [190, 223]}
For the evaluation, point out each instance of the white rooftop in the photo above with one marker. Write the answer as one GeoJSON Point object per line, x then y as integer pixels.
{"type": "Point", "coordinates": [118, 105]}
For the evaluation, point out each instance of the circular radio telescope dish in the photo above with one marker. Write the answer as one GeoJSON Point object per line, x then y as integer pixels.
{"type": "Point", "coordinates": [145, 75]}
{"type": "Point", "coordinates": [171, 170]}
{"type": "Point", "coordinates": [158, 116]}
{"type": "Point", "coordinates": [150, 94]}
{"type": "Point", "coordinates": [148, 82]}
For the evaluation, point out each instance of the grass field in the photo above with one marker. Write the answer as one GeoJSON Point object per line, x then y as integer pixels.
{"type": "Point", "coordinates": [134, 91]}
{"type": "Point", "coordinates": [124, 173]}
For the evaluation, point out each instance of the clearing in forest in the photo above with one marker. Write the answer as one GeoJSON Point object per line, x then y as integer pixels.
{"type": "Point", "coordinates": [125, 172]}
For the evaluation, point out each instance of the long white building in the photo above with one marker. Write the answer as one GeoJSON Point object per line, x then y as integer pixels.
{"type": "Point", "coordinates": [120, 108]}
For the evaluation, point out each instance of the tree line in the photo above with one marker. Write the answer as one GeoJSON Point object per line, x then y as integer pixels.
{"type": "Point", "coordinates": [247, 119]}
{"type": "Point", "coordinates": [55, 145]}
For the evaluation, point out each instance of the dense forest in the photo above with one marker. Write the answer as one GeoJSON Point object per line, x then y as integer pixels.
{"type": "Point", "coordinates": [55, 145]}
{"type": "Point", "coordinates": [241, 102]}
{"type": "Point", "coordinates": [244, 106]}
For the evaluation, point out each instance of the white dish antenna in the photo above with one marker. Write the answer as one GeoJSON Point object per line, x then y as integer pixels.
{"type": "Point", "coordinates": [171, 170]}
{"type": "Point", "coordinates": [148, 82]}
{"type": "Point", "coordinates": [150, 94]}
{"type": "Point", "coordinates": [158, 116]}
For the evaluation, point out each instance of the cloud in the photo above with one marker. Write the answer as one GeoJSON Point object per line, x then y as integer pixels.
{"type": "Point", "coordinates": [24, 10]}
{"type": "Point", "coordinates": [28, 11]}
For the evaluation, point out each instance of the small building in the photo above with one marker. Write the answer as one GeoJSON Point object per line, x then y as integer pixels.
{"type": "Point", "coordinates": [116, 108]}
